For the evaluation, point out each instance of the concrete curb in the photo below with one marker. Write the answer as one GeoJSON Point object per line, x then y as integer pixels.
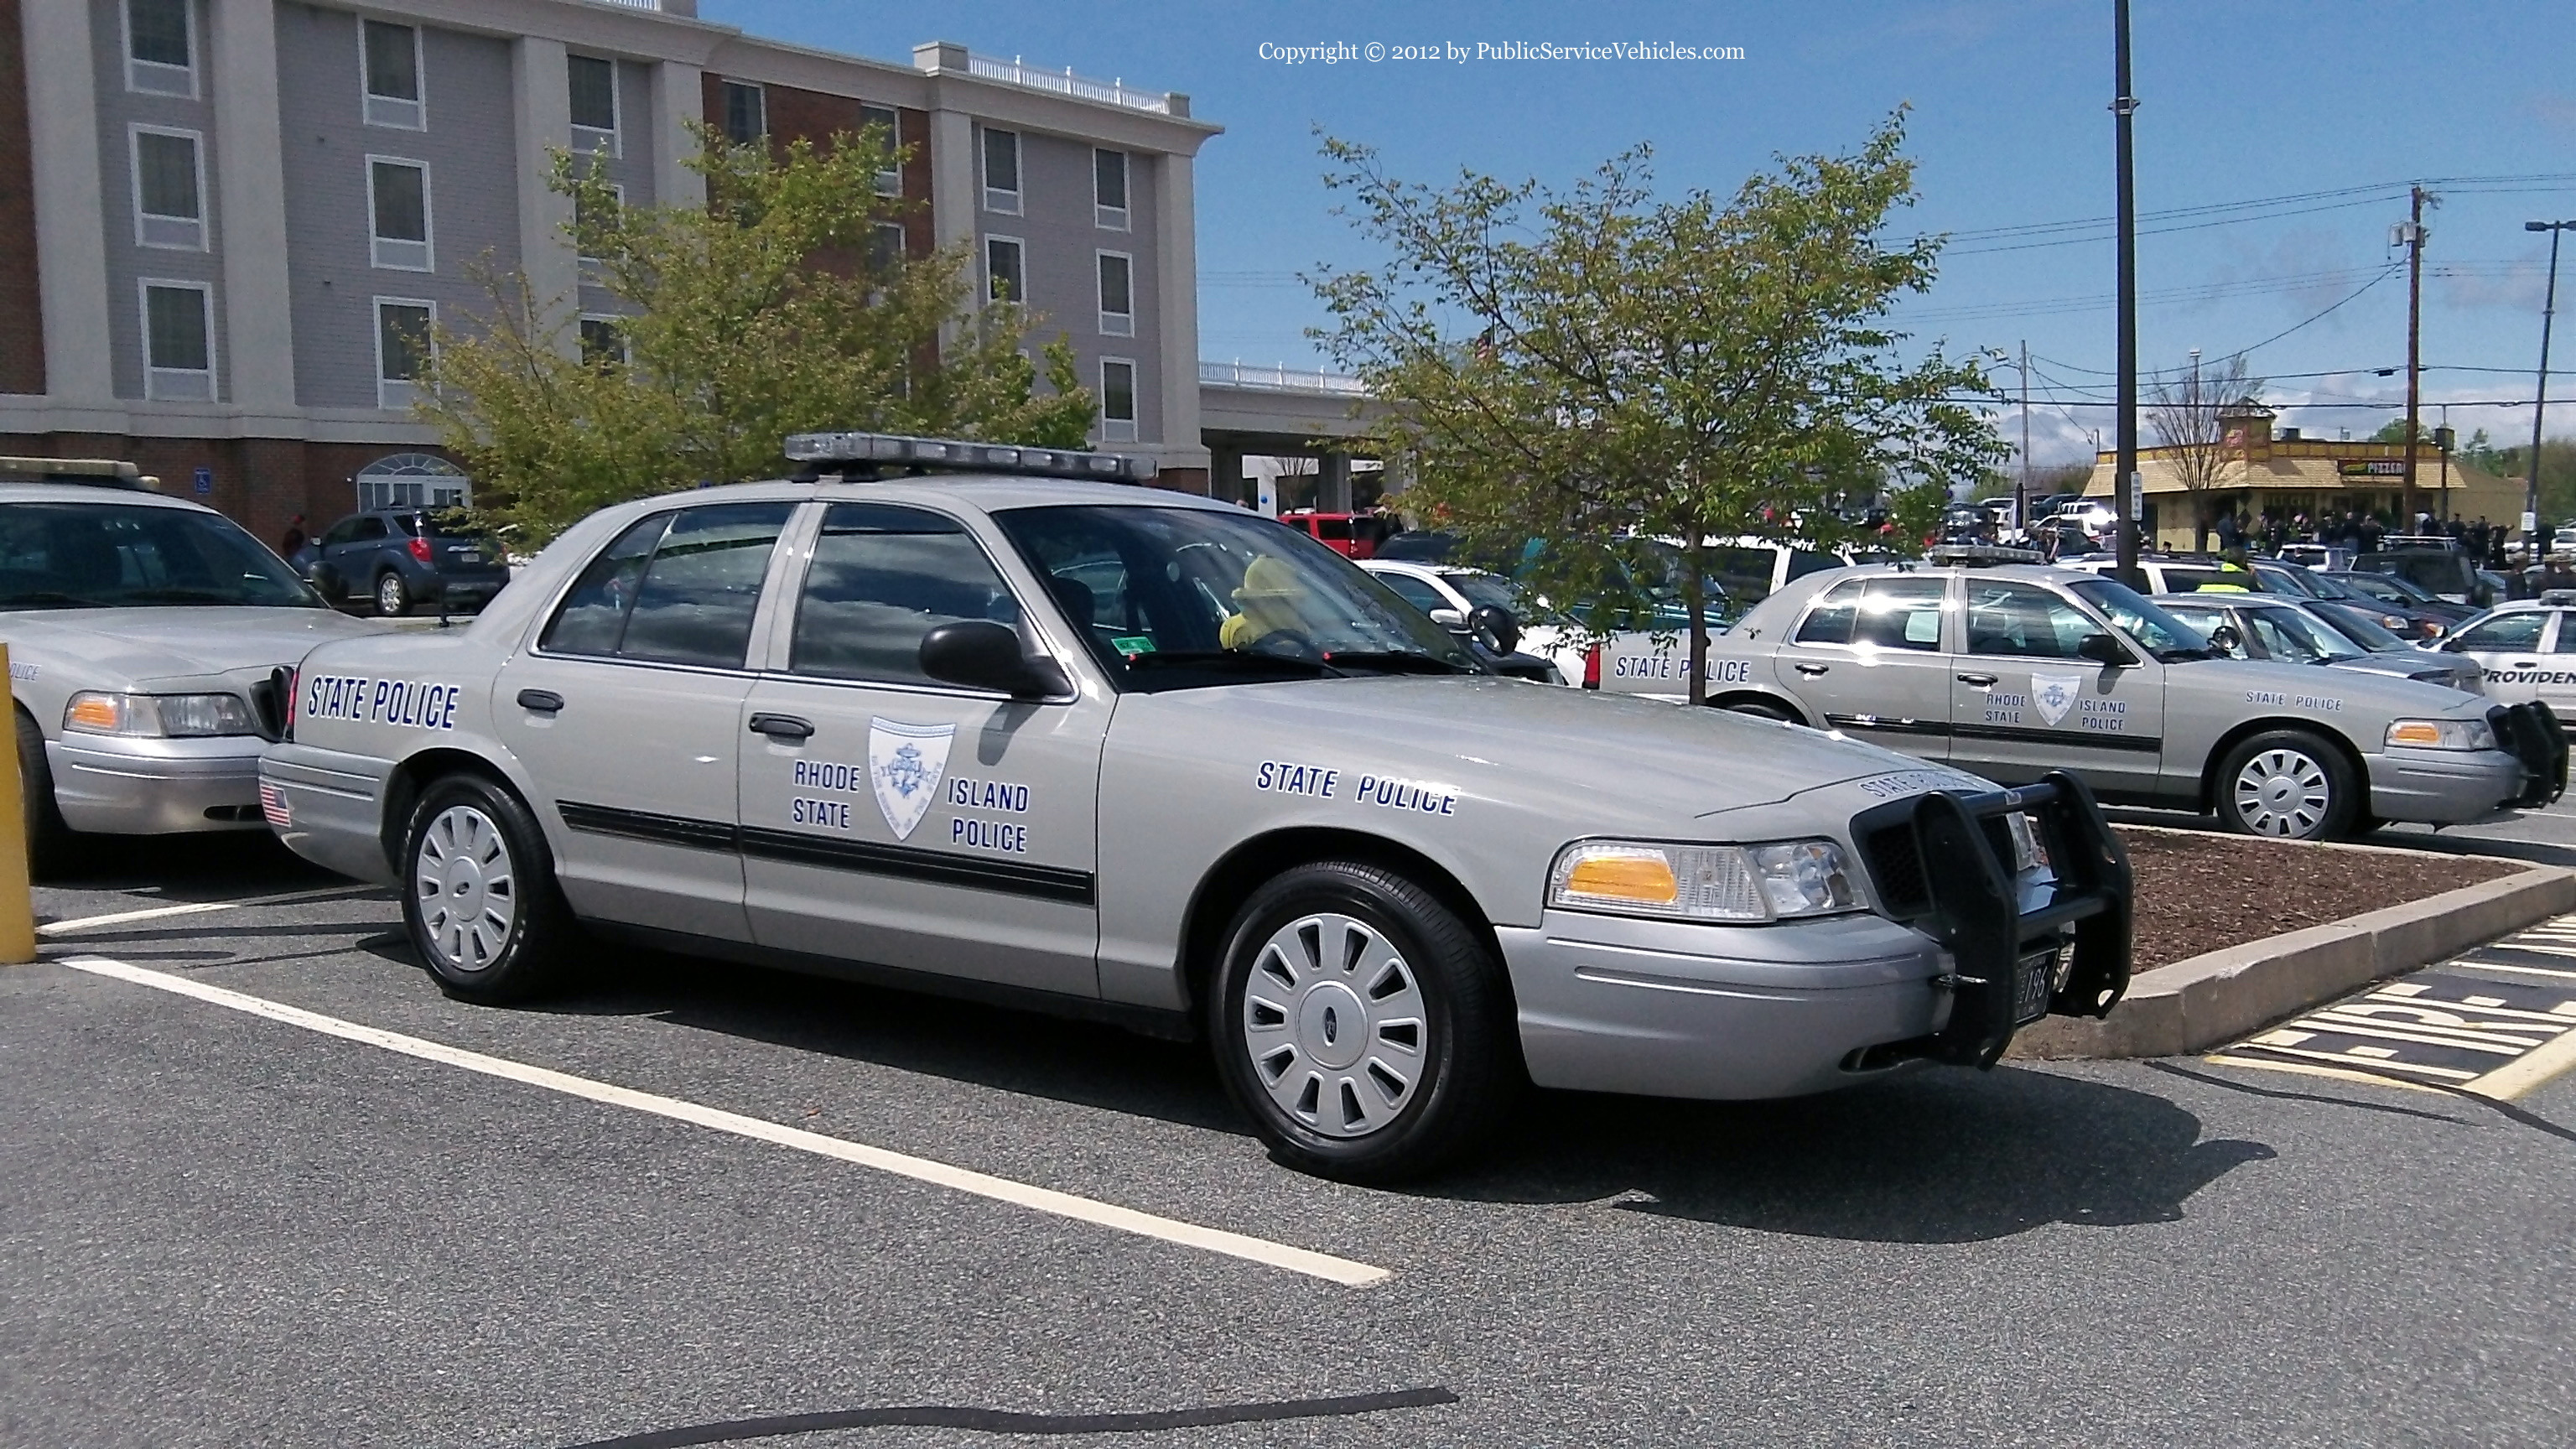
{"type": "Point", "coordinates": [2214, 998]}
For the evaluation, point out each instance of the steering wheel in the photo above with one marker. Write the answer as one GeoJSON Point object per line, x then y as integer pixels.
{"type": "Point", "coordinates": [1287, 643]}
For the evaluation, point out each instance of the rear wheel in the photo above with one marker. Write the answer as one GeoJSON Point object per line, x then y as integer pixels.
{"type": "Point", "coordinates": [1759, 709]}
{"type": "Point", "coordinates": [479, 895]}
{"type": "Point", "coordinates": [393, 596]}
{"type": "Point", "coordinates": [1362, 1025]}
{"type": "Point", "coordinates": [2288, 784]}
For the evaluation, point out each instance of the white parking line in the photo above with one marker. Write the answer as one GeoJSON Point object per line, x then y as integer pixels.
{"type": "Point", "coordinates": [920, 1169]}
{"type": "Point", "coordinates": [91, 923]}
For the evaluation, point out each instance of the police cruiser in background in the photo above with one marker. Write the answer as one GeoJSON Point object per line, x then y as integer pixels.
{"type": "Point", "coordinates": [146, 635]}
{"type": "Point", "coordinates": [1027, 733]}
{"type": "Point", "coordinates": [2013, 670]}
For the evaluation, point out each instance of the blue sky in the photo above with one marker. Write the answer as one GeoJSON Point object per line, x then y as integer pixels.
{"type": "Point", "coordinates": [2009, 127]}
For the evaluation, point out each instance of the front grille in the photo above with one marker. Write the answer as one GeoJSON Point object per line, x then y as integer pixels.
{"type": "Point", "coordinates": [1896, 865]}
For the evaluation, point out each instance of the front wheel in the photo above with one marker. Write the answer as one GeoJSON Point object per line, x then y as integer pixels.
{"type": "Point", "coordinates": [2290, 785]}
{"type": "Point", "coordinates": [1362, 1025]}
{"type": "Point", "coordinates": [479, 897]}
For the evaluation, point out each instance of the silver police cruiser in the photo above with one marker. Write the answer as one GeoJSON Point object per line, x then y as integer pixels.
{"type": "Point", "coordinates": [2013, 670]}
{"type": "Point", "coordinates": [2527, 648]}
{"type": "Point", "coordinates": [1133, 755]}
{"type": "Point", "coordinates": [147, 636]}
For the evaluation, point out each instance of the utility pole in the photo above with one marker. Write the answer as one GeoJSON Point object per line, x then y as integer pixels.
{"type": "Point", "coordinates": [2021, 504]}
{"type": "Point", "coordinates": [2124, 481]}
{"type": "Point", "coordinates": [2413, 233]}
{"type": "Point", "coordinates": [2540, 399]}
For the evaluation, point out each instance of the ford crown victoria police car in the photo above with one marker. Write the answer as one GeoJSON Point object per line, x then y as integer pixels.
{"type": "Point", "coordinates": [1130, 754]}
{"type": "Point", "coordinates": [145, 638]}
{"type": "Point", "coordinates": [2016, 670]}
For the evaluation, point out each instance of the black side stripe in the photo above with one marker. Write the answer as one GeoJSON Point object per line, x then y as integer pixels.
{"type": "Point", "coordinates": [1010, 877]}
{"type": "Point", "coordinates": [2091, 739]}
{"type": "Point", "coordinates": [903, 862]}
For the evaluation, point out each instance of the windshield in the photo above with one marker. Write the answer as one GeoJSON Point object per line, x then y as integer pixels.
{"type": "Point", "coordinates": [2162, 635]}
{"type": "Point", "coordinates": [1185, 597]}
{"type": "Point", "coordinates": [2361, 628]}
{"type": "Point", "coordinates": [1481, 589]}
{"type": "Point", "coordinates": [110, 555]}
{"type": "Point", "coordinates": [2291, 634]}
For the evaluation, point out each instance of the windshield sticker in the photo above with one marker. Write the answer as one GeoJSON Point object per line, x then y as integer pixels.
{"type": "Point", "coordinates": [905, 764]}
{"type": "Point", "coordinates": [1133, 644]}
{"type": "Point", "coordinates": [407, 702]}
{"type": "Point", "coordinates": [1406, 795]}
{"type": "Point", "coordinates": [1281, 777]}
{"type": "Point", "coordinates": [2055, 694]}
{"type": "Point", "coordinates": [2325, 702]}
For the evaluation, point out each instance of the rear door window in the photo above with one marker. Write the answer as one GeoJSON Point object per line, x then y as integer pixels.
{"type": "Point", "coordinates": [676, 588]}
{"type": "Point", "coordinates": [1901, 614]}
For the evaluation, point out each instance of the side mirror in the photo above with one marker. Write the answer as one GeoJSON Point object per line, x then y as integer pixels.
{"type": "Point", "coordinates": [1496, 627]}
{"type": "Point", "coordinates": [2103, 649]}
{"type": "Point", "coordinates": [2224, 639]}
{"type": "Point", "coordinates": [981, 654]}
{"type": "Point", "coordinates": [1448, 618]}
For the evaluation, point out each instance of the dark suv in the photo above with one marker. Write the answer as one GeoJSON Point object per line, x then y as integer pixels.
{"type": "Point", "coordinates": [398, 557]}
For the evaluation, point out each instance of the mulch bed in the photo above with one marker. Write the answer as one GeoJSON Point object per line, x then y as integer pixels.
{"type": "Point", "coordinates": [2201, 892]}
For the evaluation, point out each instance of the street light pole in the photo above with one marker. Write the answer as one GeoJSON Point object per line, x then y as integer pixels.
{"type": "Point", "coordinates": [2540, 399]}
{"type": "Point", "coordinates": [2123, 105]}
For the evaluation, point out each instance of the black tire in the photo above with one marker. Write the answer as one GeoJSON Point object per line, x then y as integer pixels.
{"type": "Point", "coordinates": [392, 596]}
{"type": "Point", "coordinates": [479, 943]}
{"type": "Point", "coordinates": [52, 848]}
{"type": "Point", "coordinates": [1759, 709]}
{"type": "Point", "coordinates": [2287, 784]}
{"type": "Point", "coordinates": [1411, 955]}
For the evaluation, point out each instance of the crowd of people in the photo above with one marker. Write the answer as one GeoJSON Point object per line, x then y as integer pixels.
{"type": "Point", "coordinates": [2358, 532]}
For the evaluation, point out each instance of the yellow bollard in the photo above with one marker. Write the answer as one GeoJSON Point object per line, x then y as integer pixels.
{"type": "Point", "coordinates": [17, 907]}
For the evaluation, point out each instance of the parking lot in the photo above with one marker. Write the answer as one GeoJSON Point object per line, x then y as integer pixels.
{"type": "Point", "coordinates": [317, 1203]}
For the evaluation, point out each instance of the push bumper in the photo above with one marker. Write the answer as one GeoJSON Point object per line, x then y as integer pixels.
{"type": "Point", "coordinates": [117, 786]}
{"type": "Point", "coordinates": [1676, 1009]}
{"type": "Point", "coordinates": [328, 807]}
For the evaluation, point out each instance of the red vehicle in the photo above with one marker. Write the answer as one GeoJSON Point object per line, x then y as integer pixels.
{"type": "Point", "coordinates": [1352, 535]}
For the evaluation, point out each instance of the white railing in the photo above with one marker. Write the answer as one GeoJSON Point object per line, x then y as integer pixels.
{"type": "Point", "coordinates": [1280, 379]}
{"type": "Point", "coordinates": [1065, 83]}
{"type": "Point", "coordinates": [667, 7]}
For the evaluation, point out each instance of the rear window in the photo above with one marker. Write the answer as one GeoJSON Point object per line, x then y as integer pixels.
{"type": "Point", "coordinates": [1333, 528]}
{"type": "Point", "coordinates": [445, 525]}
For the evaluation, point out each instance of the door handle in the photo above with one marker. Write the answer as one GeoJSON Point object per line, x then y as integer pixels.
{"type": "Point", "coordinates": [2524, 664]}
{"type": "Point", "coordinates": [782, 727]}
{"type": "Point", "coordinates": [540, 701]}
{"type": "Point", "coordinates": [1810, 670]}
{"type": "Point", "coordinates": [1981, 681]}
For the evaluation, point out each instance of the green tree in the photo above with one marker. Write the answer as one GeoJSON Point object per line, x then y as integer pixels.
{"type": "Point", "coordinates": [773, 309]}
{"type": "Point", "coordinates": [1575, 372]}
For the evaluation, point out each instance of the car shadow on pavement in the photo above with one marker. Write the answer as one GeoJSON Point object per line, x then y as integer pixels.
{"type": "Point", "coordinates": [211, 866]}
{"type": "Point", "coordinates": [1933, 1157]}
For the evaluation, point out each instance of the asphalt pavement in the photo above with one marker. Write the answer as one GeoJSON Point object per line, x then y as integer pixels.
{"type": "Point", "coordinates": [265, 1185]}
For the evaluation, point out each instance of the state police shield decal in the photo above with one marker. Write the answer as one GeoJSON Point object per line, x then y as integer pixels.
{"type": "Point", "coordinates": [2054, 694]}
{"type": "Point", "coordinates": [906, 762]}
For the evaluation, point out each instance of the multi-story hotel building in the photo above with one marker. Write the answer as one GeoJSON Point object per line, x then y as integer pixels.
{"type": "Point", "coordinates": [225, 225]}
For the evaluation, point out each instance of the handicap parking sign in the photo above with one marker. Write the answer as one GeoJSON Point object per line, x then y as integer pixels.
{"type": "Point", "coordinates": [205, 480]}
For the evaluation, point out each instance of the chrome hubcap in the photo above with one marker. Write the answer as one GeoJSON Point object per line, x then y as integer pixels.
{"type": "Point", "coordinates": [389, 594]}
{"type": "Point", "coordinates": [467, 893]}
{"type": "Point", "coordinates": [2283, 792]}
{"type": "Point", "coordinates": [1333, 1022]}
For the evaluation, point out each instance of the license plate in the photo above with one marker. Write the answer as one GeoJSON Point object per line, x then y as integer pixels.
{"type": "Point", "coordinates": [2034, 977]}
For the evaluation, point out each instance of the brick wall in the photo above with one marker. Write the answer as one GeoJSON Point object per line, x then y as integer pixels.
{"type": "Point", "coordinates": [259, 483]}
{"type": "Point", "coordinates": [22, 328]}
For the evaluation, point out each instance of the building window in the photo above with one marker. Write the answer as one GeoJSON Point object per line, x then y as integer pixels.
{"type": "Point", "coordinates": [402, 349]}
{"type": "Point", "coordinates": [1002, 171]}
{"type": "Point", "coordinates": [885, 246]}
{"type": "Point", "coordinates": [889, 180]}
{"type": "Point", "coordinates": [1117, 400]}
{"type": "Point", "coordinates": [1117, 295]}
{"type": "Point", "coordinates": [169, 189]}
{"type": "Point", "coordinates": [603, 342]}
{"type": "Point", "coordinates": [1004, 277]}
{"type": "Point", "coordinates": [161, 47]}
{"type": "Point", "coordinates": [398, 202]}
{"type": "Point", "coordinates": [586, 227]}
{"type": "Point", "coordinates": [746, 112]}
{"type": "Point", "coordinates": [594, 103]}
{"type": "Point", "coordinates": [178, 342]}
{"type": "Point", "coordinates": [1109, 189]}
{"type": "Point", "coordinates": [390, 56]}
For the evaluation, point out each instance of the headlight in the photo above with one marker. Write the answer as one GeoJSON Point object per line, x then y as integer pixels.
{"type": "Point", "coordinates": [158, 716]}
{"type": "Point", "coordinates": [2442, 734]}
{"type": "Point", "coordinates": [2433, 631]}
{"type": "Point", "coordinates": [1702, 882]}
{"type": "Point", "coordinates": [2028, 849]}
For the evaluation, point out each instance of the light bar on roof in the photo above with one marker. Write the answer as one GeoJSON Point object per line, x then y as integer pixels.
{"type": "Point", "coordinates": [878, 450]}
